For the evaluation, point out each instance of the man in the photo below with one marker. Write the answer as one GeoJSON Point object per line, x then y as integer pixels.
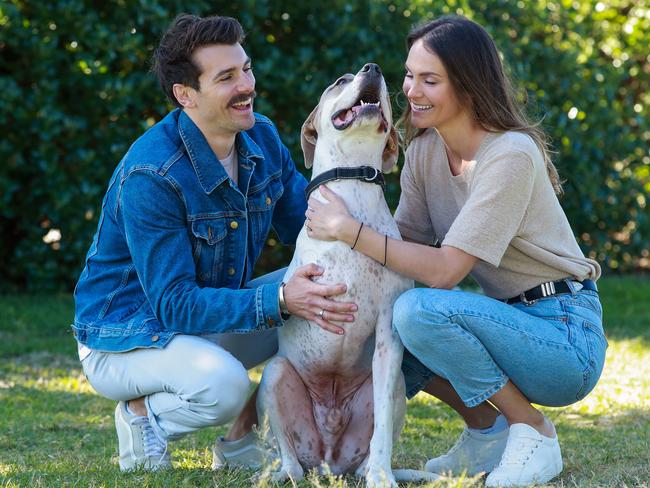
{"type": "Point", "coordinates": [184, 219]}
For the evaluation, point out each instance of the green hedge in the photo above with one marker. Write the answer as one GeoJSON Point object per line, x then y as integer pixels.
{"type": "Point", "coordinates": [75, 92]}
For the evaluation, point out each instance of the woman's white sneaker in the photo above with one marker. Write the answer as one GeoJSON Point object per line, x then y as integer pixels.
{"type": "Point", "coordinates": [473, 453]}
{"type": "Point", "coordinates": [529, 458]}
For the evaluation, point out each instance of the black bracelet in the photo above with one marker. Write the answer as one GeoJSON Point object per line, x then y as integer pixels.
{"type": "Point", "coordinates": [385, 250]}
{"type": "Point", "coordinates": [358, 234]}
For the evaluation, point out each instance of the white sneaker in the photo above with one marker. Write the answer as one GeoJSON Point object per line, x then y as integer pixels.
{"type": "Point", "coordinates": [139, 445]}
{"type": "Point", "coordinates": [473, 453]}
{"type": "Point", "coordinates": [529, 458]}
{"type": "Point", "coordinates": [245, 452]}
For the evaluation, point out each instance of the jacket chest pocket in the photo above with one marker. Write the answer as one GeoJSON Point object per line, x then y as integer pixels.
{"type": "Point", "coordinates": [261, 205]}
{"type": "Point", "coordinates": [209, 242]}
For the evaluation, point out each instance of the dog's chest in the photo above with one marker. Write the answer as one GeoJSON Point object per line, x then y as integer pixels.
{"type": "Point", "coordinates": [372, 287]}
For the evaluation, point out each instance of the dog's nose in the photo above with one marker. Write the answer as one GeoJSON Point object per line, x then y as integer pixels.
{"type": "Point", "coordinates": [371, 67]}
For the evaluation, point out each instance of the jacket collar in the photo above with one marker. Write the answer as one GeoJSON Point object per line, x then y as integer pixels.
{"type": "Point", "coordinates": [209, 170]}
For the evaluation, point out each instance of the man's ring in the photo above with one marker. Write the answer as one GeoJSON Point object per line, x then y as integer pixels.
{"type": "Point", "coordinates": [322, 312]}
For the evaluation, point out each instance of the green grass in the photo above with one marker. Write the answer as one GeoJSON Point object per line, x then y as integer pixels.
{"type": "Point", "coordinates": [55, 431]}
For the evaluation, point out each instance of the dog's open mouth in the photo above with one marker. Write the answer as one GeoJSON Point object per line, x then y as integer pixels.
{"type": "Point", "coordinates": [367, 105]}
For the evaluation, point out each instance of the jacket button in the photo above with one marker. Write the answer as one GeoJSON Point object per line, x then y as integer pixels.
{"type": "Point", "coordinates": [268, 200]}
{"type": "Point", "coordinates": [234, 225]}
{"type": "Point", "coordinates": [231, 271]}
{"type": "Point", "coordinates": [270, 321]}
{"type": "Point", "coordinates": [155, 338]}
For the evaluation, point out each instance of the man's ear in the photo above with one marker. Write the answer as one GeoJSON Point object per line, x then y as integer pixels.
{"type": "Point", "coordinates": [184, 95]}
{"type": "Point", "coordinates": [308, 137]}
{"type": "Point", "coordinates": [391, 152]}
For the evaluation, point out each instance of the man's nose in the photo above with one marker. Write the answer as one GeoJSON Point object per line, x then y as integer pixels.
{"type": "Point", "coordinates": [371, 68]}
{"type": "Point", "coordinates": [247, 83]}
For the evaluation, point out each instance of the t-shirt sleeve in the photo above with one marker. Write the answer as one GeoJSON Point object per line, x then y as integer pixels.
{"type": "Point", "coordinates": [412, 214]}
{"type": "Point", "coordinates": [500, 192]}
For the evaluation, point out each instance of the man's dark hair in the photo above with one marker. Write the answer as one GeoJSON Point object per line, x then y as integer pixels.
{"type": "Point", "coordinates": [172, 59]}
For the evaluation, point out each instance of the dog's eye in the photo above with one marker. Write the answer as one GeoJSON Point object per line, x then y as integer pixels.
{"type": "Point", "coordinates": [340, 81]}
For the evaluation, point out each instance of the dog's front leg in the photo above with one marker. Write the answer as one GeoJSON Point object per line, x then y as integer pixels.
{"type": "Point", "coordinates": [389, 402]}
{"type": "Point", "coordinates": [284, 401]}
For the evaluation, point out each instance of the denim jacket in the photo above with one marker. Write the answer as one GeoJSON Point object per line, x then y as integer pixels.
{"type": "Point", "coordinates": [177, 238]}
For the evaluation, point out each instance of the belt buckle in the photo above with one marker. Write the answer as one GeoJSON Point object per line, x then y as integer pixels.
{"type": "Point", "coordinates": [526, 301]}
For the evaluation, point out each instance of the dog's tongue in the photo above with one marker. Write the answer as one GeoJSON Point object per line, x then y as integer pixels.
{"type": "Point", "coordinates": [346, 116]}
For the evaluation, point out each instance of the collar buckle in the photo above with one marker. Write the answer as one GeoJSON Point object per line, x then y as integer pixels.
{"type": "Point", "coordinates": [374, 175]}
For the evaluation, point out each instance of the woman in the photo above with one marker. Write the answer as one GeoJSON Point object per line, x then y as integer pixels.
{"type": "Point", "coordinates": [478, 179]}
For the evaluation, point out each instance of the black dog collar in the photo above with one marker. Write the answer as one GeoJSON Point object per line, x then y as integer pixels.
{"type": "Point", "coordinates": [363, 173]}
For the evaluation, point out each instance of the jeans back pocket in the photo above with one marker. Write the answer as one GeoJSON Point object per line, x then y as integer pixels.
{"type": "Point", "coordinates": [595, 345]}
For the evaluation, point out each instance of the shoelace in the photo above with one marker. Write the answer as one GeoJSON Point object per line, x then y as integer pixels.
{"type": "Point", "coordinates": [153, 446]}
{"type": "Point", "coordinates": [519, 452]}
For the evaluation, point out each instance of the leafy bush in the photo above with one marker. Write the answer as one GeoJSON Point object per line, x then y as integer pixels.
{"type": "Point", "coordinates": [75, 92]}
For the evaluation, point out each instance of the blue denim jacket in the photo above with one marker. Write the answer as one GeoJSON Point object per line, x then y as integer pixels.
{"type": "Point", "coordinates": [177, 239]}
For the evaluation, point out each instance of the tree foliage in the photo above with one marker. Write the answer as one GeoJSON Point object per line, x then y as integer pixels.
{"type": "Point", "coordinates": [75, 92]}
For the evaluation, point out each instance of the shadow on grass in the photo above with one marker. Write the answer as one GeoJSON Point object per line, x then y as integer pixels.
{"type": "Point", "coordinates": [52, 438]}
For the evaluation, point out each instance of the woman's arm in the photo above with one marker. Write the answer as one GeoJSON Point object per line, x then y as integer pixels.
{"type": "Point", "coordinates": [442, 267]}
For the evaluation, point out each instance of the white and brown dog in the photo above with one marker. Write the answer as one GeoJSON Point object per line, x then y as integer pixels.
{"type": "Point", "coordinates": [336, 399]}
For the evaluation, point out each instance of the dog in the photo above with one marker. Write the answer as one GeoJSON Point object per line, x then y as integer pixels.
{"type": "Point", "coordinates": [330, 399]}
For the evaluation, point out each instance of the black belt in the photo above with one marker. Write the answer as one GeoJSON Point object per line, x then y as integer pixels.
{"type": "Point", "coordinates": [548, 289]}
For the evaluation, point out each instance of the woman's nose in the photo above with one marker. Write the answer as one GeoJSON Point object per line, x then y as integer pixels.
{"type": "Point", "coordinates": [411, 89]}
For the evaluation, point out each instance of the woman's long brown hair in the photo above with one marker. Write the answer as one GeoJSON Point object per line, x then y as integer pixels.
{"type": "Point", "coordinates": [477, 76]}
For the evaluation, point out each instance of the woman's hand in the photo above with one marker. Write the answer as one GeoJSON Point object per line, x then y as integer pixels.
{"type": "Point", "coordinates": [329, 221]}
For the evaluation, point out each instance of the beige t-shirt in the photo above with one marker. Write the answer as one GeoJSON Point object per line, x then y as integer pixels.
{"type": "Point", "coordinates": [501, 209]}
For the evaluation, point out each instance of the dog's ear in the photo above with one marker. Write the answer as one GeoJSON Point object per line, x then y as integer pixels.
{"type": "Point", "coordinates": [308, 136]}
{"type": "Point", "coordinates": [391, 152]}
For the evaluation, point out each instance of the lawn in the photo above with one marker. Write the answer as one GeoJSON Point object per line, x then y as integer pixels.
{"type": "Point", "coordinates": [55, 431]}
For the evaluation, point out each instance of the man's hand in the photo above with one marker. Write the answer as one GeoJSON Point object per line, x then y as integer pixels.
{"type": "Point", "coordinates": [311, 301]}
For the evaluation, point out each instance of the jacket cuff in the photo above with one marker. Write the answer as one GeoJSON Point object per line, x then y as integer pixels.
{"type": "Point", "coordinates": [268, 306]}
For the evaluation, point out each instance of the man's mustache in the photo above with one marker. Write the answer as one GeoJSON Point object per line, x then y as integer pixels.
{"type": "Point", "coordinates": [242, 98]}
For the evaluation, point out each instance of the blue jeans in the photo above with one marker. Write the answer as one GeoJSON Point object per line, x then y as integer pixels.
{"type": "Point", "coordinates": [552, 349]}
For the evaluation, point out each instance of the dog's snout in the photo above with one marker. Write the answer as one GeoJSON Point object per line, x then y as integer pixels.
{"type": "Point", "coordinates": [372, 68]}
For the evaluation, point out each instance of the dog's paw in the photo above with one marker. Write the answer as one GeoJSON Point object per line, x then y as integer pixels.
{"type": "Point", "coordinates": [380, 478]}
{"type": "Point", "coordinates": [293, 473]}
